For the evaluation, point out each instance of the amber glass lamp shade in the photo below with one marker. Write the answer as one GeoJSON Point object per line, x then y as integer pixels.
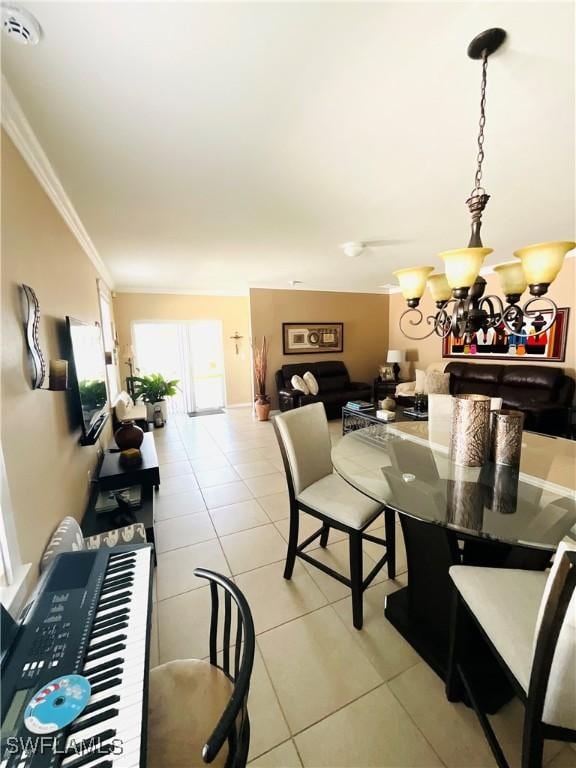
{"type": "Point", "coordinates": [542, 262]}
{"type": "Point", "coordinates": [439, 288]}
{"type": "Point", "coordinates": [413, 282]}
{"type": "Point", "coordinates": [463, 265]}
{"type": "Point", "coordinates": [512, 279]}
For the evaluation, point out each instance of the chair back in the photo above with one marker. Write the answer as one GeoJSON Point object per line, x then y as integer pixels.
{"type": "Point", "coordinates": [304, 441]}
{"type": "Point", "coordinates": [553, 678]}
{"type": "Point", "coordinates": [66, 538]}
{"type": "Point", "coordinates": [234, 725]}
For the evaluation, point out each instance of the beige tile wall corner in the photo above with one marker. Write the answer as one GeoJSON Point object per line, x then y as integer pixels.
{"type": "Point", "coordinates": [563, 291]}
{"type": "Point", "coordinates": [47, 468]}
{"type": "Point", "coordinates": [232, 311]}
{"type": "Point", "coordinates": [365, 318]}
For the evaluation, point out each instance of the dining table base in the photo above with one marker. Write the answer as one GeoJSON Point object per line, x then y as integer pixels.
{"type": "Point", "coordinates": [421, 612]}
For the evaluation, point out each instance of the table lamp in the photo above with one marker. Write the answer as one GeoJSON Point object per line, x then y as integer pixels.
{"type": "Point", "coordinates": [395, 356]}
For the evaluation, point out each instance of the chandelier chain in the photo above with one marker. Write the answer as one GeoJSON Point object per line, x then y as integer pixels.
{"type": "Point", "coordinates": [481, 124]}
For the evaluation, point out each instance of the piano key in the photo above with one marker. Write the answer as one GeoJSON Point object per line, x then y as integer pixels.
{"type": "Point", "coordinates": [112, 615]}
{"type": "Point", "coordinates": [115, 591]}
{"type": "Point", "coordinates": [124, 649]}
{"type": "Point", "coordinates": [114, 672]}
{"type": "Point", "coordinates": [121, 568]}
{"type": "Point", "coordinates": [113, 561]}
{"type": "Point", "coordinates": [103, 666]}
{"type": "Point", "coordinates": [116, 556]}
{"type": "Point", "coordinates": [107, 685]}
{"type": "Point", "coordinates": [113, 584]}
{"type": "Point", "coordinates": [101, 654]}
{"type": "Point", "coordinates": [94, 706]}
{"type": "Point", "coordinates": [114, 604]}
{"type": "Point", "coordinates": [110, 640]}
{"type": "Point", "coordinates": [89, 739]}
{"type": "Point", "coordinates": [114, 596]}
{"type": "Point", "coordinates": [104, 764]}
{"type": "Point", "coordinates": [94, 719]}
{"type": "Point", "coordinates": [87, 760]}
{"type": "Point", "coordinates": [115, 625]}
{"type": "Point", "coordinates": [75, 760]}
{"type": "Point", "coordinates": [123, 728]}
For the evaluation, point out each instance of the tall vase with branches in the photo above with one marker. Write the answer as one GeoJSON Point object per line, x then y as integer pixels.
{"type": "Point", "coordinates": [260, 356]}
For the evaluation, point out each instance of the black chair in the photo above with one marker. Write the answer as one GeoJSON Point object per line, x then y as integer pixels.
{"type": "Point", "coordinates": [528, 619]}
{"type": "Point", "coordinates": [196, 707]}
{"type": "Point", "coordinates": [315, 488]}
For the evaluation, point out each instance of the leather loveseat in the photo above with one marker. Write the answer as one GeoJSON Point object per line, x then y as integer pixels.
{"type": "Point", "coordinates": [542, 392]}
{"type": "Point", "coordinates": [334, 387]}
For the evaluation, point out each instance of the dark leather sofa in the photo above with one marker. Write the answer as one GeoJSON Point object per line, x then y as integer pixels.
{"type": "Point", "coordinates": [542, 392]}
{"type": "Point", "coordinates": [334, 387]}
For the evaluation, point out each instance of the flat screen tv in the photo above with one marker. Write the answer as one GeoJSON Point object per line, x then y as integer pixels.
{"type": "Point", "coordinates": [88, 377]}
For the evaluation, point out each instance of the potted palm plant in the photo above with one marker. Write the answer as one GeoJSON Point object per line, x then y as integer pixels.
{"type": "Point", "coordinates": [262, 401]}
{"type": "Point", "coordinates": [153, 390]}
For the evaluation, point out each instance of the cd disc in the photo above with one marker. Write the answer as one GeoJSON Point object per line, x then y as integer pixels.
{"type": "Point", "coordinates": [57, 704]}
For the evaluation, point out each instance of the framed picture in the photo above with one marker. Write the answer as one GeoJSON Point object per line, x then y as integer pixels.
{"type": "Point", "coordinates": [312, 338]}
{"type": "Point", "coordinates": [386, 372]}
{"type": "Point", "coordinates": [498, 344]}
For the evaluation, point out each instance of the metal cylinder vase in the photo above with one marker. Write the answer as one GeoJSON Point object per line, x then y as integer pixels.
{"type": "Point", "coordinates": [507, 437]}
{"type": "Point", "coordinates": [470, 439]}
{"type": "Point", "coordinates": [465, 498]}
{"type": "Point", "coordinates": [504, 489]}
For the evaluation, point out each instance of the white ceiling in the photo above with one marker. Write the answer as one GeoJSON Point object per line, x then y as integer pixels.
{"type": "Point", "coordinates": [217, 146]}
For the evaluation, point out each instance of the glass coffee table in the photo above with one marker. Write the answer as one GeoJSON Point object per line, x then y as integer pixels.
{"type": "Point", "coordinates": [353, 419]}
{"type": "Point", "coordinates": [493, 516]}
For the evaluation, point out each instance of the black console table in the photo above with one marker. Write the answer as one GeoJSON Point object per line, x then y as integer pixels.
{"type": "Point", "coordinates": [112, 476]}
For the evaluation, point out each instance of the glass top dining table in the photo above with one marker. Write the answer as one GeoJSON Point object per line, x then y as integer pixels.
{"type": "Point", "coordinates": [407, 467]}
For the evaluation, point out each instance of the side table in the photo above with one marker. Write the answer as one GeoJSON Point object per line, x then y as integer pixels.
{"type": "Point", "coordinates": [112, 476]}
{"type": "Point", "coordinates": [383, 389]}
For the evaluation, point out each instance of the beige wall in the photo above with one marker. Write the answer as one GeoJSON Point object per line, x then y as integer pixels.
{"type": "Point", "coordinates": [47, 468]}
{"type": "Point", "coordinates": [232, 311]}
{"type": "Point", "coordinates": [430, 350]}
{"type": "Point", "coordinates": [365, 318]}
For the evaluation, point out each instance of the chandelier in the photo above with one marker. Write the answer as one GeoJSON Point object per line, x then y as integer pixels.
{"type": "Point", "coordinates": [462, 308]}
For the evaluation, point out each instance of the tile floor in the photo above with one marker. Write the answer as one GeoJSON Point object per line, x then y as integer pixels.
{"type": "Point", "coordinates": [323, 694]}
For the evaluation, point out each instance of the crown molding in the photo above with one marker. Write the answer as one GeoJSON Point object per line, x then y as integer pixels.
{"type": "Point", "coordinates": [20, 131]}
{"type": "Point", "coordinates": [121, 288]}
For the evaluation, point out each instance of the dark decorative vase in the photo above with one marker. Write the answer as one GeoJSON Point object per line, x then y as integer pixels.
{"type": "Point", "coordinates": [128, 435]}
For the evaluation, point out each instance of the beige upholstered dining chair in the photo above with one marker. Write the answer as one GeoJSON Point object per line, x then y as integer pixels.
{"type": "Point", "coordinates": [529, 620]}
{"type": "Point", "coordinates": [314, 488]}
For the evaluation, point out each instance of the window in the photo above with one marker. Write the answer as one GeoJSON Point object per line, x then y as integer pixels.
{"type": "Point", "coordinates": [108, 337]}
{"type": "Point", "coordinates": [13, 575]}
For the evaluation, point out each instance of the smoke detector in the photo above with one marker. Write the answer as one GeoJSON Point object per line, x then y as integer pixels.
{"type": "Point", "coordinates": [20, 26]}
{"type": "Point", "coordinates": [353, 249]}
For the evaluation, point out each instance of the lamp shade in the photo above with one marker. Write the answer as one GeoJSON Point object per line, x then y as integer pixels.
{"type": "Point", "coordinates": [413, 281]}
{"type": "Point", "coordinates": [463, 265]}
{"type": "Point", "coordinates": [395, 356]}
{"type": "Point", "coordinates": [542, 262]}
{"type": "Point", "coordinates": [439, 288]}
{"type": "Point", "coordinates": [512, 278]}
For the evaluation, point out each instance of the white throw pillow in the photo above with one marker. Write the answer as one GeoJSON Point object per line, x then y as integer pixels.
{"type": "Point", "coordinates": [311, 383]}
{"type": "Point", "coordinates": [299, 384]}
{"type": "Point", "coordinates": [420, 388]}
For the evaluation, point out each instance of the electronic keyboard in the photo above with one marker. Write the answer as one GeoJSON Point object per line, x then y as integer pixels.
{"type": "Point", "coordinates": [90, 615]}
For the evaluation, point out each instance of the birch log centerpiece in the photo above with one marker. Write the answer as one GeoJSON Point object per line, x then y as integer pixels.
{"type": "Point", "coordinates": [470, 439]}
{"type": "Point", "coordinates": [507, 437]}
